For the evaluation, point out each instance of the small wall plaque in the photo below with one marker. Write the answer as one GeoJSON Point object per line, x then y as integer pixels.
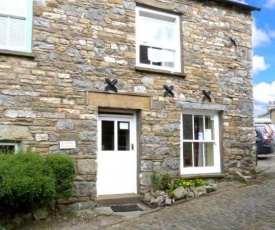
{"type": "Point", "coordinates": [67, 145]}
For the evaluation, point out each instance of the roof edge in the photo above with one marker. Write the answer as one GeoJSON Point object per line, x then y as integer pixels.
{"type": "Point", "coordinates": [237, 4]}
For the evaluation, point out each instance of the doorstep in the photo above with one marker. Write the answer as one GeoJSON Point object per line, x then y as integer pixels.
{"type": "Point", "coordinates": [117, 199]}
{"type": "Point", "coordinates": [108, 211]}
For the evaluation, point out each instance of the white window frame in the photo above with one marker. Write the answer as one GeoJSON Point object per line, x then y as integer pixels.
{"type": "Point", "coordinates": [216, 145]}
{"type": "Point", "coordinates": [16, 145]}
{"type": "Point", "coordinates": [172, 46]}
{"type": "Point", "coordinates": [28, 18]}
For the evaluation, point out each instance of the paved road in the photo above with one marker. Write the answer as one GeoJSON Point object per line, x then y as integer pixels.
{"type": "Point", "coordinates": [246, 208]}
{"type": "Point", "coordinates": [266, 161]}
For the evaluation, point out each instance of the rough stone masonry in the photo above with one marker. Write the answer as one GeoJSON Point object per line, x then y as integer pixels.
{"type": "Point", "coordinates": [78, 43]}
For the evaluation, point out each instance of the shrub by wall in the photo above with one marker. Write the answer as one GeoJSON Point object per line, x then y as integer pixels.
{"type": "Point", "coordinates": [28, 180]}
{"type": "Point", "coordinates": [64, 172]}
{"type": "Point", "coordinates": [25, 180]}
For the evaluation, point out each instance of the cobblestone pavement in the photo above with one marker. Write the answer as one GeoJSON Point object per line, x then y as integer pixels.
{"type": "Point", "coordinates": [234, 206]}
{"type": "Point", "coordinates": [244, 208]}
{"type": "Point", "coordinates": [265, 162]}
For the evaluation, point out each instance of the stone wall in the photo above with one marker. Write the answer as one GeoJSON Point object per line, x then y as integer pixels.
{"type": "Point", "coordinates": [77, 44]}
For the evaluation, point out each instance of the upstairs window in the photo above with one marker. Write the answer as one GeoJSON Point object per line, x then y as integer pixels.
{"type": "Point", "coordinates": [157, 40]}
{"type": "Point", "coordinates": [16, 25]}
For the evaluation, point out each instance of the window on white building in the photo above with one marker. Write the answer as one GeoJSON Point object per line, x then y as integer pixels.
{"type": "Point", "coordinates": [16, 25]}
{"type": "Point", "coordinates": [200, 143]}
{"type": "Point", "coordinates": [157, 40]}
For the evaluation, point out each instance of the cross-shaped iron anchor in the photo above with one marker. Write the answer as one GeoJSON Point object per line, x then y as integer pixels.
{"type": "Point", "coordinates": [206, 96]}
{"type": "Point", "coordinates": [169, 90]}
{"type": "Point", "coordinates": [111, 85]}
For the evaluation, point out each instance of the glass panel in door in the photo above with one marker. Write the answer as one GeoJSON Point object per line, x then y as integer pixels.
{"type": "Point", "coordinates": [123, 136]}
{"type": "Point", "coordinates": [107, 136]}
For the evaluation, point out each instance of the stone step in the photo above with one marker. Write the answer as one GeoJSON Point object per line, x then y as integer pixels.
{"type": "Point", "coordinates": [117, 199]}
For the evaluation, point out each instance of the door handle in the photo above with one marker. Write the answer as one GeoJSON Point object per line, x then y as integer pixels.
{"type": "Point", "coordinates": [132, 146]}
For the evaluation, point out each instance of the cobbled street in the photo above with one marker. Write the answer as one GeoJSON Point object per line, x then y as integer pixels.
{"type": "Point", "coordinates": [245, 208]}
{"type": "Point", "coordinates": [248, 208]}
{"type": "Point", "coordinates": [237, 206]}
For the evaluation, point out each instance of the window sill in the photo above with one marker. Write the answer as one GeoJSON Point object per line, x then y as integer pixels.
{"type": "Point", "coordinates": [165, 72]}
{"type": "Point", "coordinates": [209, 175]}
{"type": "Point", "coordinates": [17, 53]}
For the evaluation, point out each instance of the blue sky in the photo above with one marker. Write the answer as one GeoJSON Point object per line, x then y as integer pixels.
{"type": "Point", "coordinates": [263, 54]}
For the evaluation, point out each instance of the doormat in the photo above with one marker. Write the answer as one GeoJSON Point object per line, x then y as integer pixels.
{"type": "Point", "coordinates": [126, 208]}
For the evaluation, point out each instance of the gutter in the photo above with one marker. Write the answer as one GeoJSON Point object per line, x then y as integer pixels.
{"type": "Point", "coordinates": [238, 5]}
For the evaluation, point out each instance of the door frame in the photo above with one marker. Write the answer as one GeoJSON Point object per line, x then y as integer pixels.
{"type": "Point", "coordinates": [120, 115]}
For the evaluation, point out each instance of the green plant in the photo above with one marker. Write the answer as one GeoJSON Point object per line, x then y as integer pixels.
{"type": "Point", "coordinates": [24, 181]}
{"type": "Point", "coordinates": [156, 181]}
{"type": "Point", "coordinates": [64, 172]}
{"type": "Point", "coordinates": [186, 183]}
{"type": "Point", "coordinates": [2, 227]}
{"type": "Point", "coordinates": [165, 181]}
{"type": "Point", "coordinates": [169, 184]}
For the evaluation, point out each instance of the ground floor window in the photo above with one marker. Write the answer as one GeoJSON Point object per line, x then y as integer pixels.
{"type": "Point", "coordinates": [200, 148]}
{"type": "Point", "coordinates": [9, 147]}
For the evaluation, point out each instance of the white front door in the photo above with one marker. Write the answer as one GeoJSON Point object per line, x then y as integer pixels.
{"type": "Point", "coordinates": [117, 155]}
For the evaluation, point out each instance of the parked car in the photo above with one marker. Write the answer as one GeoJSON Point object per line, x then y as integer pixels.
{"type": "Point", "coordinates": [264, 141]}
{"type": "Point", "coordinates": [268, 129]}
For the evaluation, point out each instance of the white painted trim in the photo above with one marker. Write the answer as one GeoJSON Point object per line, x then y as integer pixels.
{"type": "Point", "coordinates": [217, 155]}
{"type": "Point", "coordinates": [29, 32]}
{"type": "Point", "coordinates": [175, 46]}
{"type": "Point", "coordinates": [115, 157]}
{"type": "Point", "coordinates": [16, 145]}
{"type": "Point", "coordinates": [28, 19]}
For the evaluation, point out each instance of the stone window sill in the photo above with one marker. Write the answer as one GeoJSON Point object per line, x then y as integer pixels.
{"type": "Point", "coordinates": [210, 175]}
{"type": "Point", "coordinates": [149, 70]}
{"type": "Point", "coordinates": [17, 53]}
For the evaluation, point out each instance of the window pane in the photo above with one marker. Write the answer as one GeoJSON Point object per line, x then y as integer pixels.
{"type": "Point", "coordinates": [143, 55]}
{"type": "Point", "coordinates": [209, 154]}
{"type": "Point", "coordinates": [209, 128]}
{"type": "Point", "coordinates": [157, 31]}
{"type": "Point", "coordinates": [169, 32]}
{"type": "Point", "coordinates": [155, 54]}
{"type": "Point", "coordinates": [169, 58]}
{"type": "Point", "coordinates": [151, 32]}
{"type": "Point", "coordinates": [3, 30]}
{"type": "Point", "coordinates": [107, 135]}
{"type": "Point", "coordinates": [198, 155]}
{"type": "Point", "coordinates": [169, 64]}
{"type": "Point", "coordinates": [156, 16]}
{"type": "Point", "coordinates": [161, 55]}
{"type": "Point", "coordinates": [14, 7]}
{"type": "Point", "coordinates": [7, 149]}
{"type": "Point", "coordinates": [198, 127]}
{"type": "Point", "coordinates": [123, 136]}
{"type": "Point", "coordinates": [187, 155]}
{"type": "Point", "coordinates": [17, 32]}
{"type": "Point", "coordinates": [187, 128]}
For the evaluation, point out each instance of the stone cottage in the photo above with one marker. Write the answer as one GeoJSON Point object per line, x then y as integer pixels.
{"type": "Point", "coordinates": [129, 87]}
